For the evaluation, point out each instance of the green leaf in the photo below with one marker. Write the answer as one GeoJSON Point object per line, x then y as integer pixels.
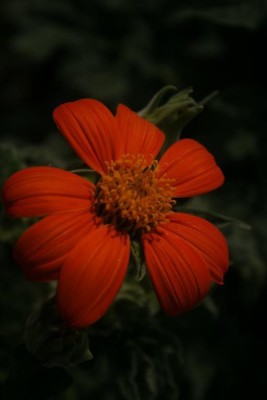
{"type": "Point", "coordinates": [218, 219]}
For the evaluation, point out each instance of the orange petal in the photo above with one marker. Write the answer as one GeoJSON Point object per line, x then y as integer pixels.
{"type": "Point", "coordinates": [204, 238]}
{"type": "Point", "coordinates": [180, 277]}
{"type": "Point", "coordinates": [137, 135]}
{"type": "Point", "coordinates": [43, 248]}
{"type": "Point", "coordinates": [192, 168]}
{"type": "Point", "coordinates": [38, 191]}
{"type": "Point", "coordinates": [92, 276]}
{"type": "Point", "coordinates": [90, 129]}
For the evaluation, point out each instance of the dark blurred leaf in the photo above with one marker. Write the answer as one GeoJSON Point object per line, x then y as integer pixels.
{"type": "Point", "coordinates": [28, 380]}
{"type": "Point", "coordinates": [52, 342]}
{"type": "Point", "coordinates": [249, 264]}
{"type": "Point", "coordinates": [248, 14]}
{"type": "Point", "coordinates": [11, 228]}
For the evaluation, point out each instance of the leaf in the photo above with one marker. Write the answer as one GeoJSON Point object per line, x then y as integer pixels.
{"type": "Point", "coordinates": [247, 14]}
{"type": "Point", "coordinates": [30, 380]}
{"type": "Point", "coordinates": [218, 219]}
{"type": "Point", "coordinates": [11, 228]}
{"type": "Point", "coordinates": [87, 173]}
{"type": "Point", "coordinates": [52, 342]}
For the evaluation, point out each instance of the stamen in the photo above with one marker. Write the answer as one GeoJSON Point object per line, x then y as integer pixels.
{"type": "Point", "coordinates": [131, 196]}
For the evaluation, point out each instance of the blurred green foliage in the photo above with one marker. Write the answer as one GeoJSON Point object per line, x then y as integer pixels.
{"type": "Point", "coordinates": [124, 51]}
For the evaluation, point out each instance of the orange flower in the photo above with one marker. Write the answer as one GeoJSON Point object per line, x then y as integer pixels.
{"type": "Point", "coordinates": [83, 240]}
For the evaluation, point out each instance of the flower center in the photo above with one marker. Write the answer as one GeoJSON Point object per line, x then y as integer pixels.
{"type": "Point", "coordinates": [131, 196]}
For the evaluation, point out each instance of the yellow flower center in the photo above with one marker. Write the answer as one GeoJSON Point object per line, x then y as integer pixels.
{"type": "Point", "coordinates": [131, 196]}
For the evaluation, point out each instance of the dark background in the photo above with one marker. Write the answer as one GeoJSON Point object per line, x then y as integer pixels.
{"type": "Point", "coordinates": [124, 51]}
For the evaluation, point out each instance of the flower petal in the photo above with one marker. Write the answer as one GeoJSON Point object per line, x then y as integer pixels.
{"type": "Point", "coordinates": [180, 278]}
{"type": "Point", "coordinates": [90, 129]}
{"type": "Point", "coordinates": [183, 258]}
{"type": "Point", "coordinates": [192, 168]}
{"type": "Point", "coordinates": [137, 135]}
{"type": "Point", "coordinates": [92, 276]}
{"type": "Point", "coordinates": [205, 238]}
{"type": "Point", "coordinates": [43, 248]}
{"type": "Point", "coordinates": [38, 191]}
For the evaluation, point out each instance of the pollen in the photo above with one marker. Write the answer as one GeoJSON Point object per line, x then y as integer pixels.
{"type": "Point", "coordinates": [131, 196]}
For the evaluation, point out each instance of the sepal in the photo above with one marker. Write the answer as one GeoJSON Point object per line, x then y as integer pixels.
{"type": "Point", "coordinates": [138, 259]}
{"type": "Point", "coordinates": [174, 114]}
